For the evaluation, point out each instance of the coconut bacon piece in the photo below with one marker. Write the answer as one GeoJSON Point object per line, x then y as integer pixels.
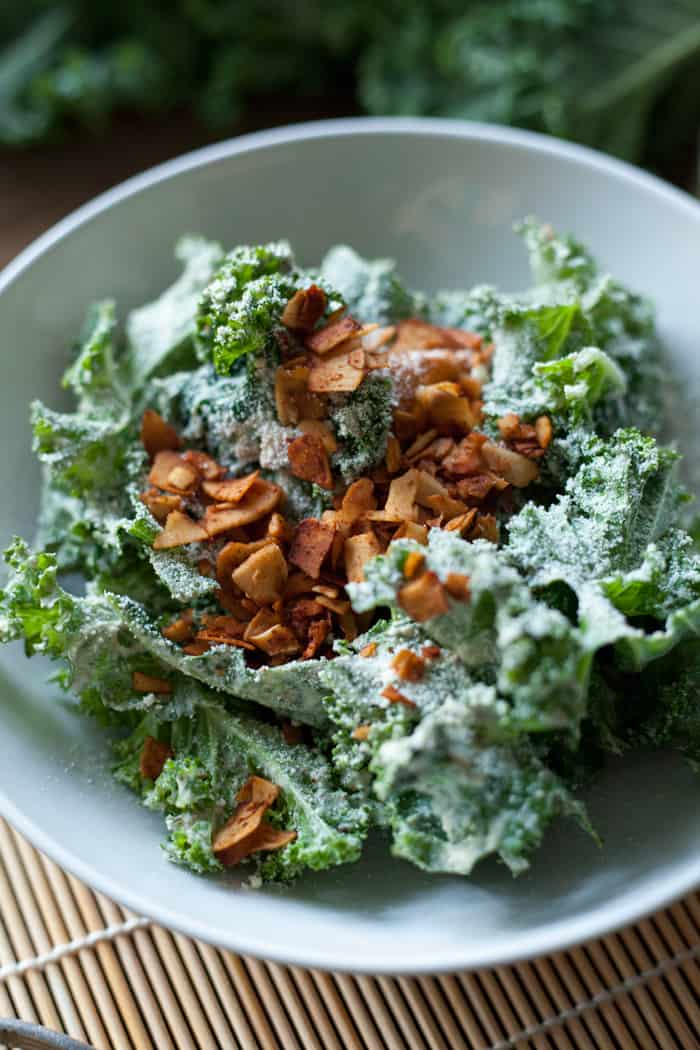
{"type": "Point", "coordinates": [179, 530]}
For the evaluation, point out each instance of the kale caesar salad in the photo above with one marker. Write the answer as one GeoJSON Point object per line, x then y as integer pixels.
{"type": "Point", "coordinates": [354, 557]}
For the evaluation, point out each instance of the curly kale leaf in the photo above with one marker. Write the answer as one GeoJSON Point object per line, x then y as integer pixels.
{"type": "Point", "coordinates": [372, 289]}
{"type": "Point", "coordinates": [242, 302]}
{"type": "Point", "coordinates": [611, 538]}
{"type": "Point", "coordinates": [457, 790]}
{"type": "Point", "coordinates": [362, 424]}
{"type": "Point", "coordinates": [615, 320]}
{"type": "Point", "coordinates": [532, 651]}
{"type": "Point", "coordinates": [672, 705]}
{"type": "Point", "coordinates": [577, 382]}
{"type": "Point", "coordinates": [215, 752]}
{"type": "Point", "coordinates": [160, 334]}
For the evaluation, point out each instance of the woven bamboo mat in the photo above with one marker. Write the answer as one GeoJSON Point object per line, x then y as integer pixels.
{"type": "Point", "coordinates": [76, 962]}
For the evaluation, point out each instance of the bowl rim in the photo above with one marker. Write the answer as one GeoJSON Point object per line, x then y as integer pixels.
{"type": "Point", "coordinates": [558, 936]}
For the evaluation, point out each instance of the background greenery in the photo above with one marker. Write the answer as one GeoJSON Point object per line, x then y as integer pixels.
{"type": "Point", "coordinates": [622, 75]}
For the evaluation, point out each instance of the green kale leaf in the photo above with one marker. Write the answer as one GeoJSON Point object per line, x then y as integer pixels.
{"type": "Point", "coordinates": [160, 335]}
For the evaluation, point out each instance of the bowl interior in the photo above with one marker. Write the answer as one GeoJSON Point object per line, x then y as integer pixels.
{"type": "Point", "coordinates": [441, 198]}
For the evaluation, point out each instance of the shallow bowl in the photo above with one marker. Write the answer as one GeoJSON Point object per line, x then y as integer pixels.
{"type": "Point", "coordinates": [441, 197]}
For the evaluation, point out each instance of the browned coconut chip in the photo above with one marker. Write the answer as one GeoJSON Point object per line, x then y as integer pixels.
{"type": "Point", "coordinates": [361, 732]}
{"type": "Point", "coordinates": [357, 552]}
{"type": "Point", "coordinates": [254, 799]}
{"type": "Point", "coordinates": [332, 335]}
{"type": "Point", "coordinates": [154, 755]}
{"type": "Point", "coordinates": [423, 597]}
{"type": "Point", "coordinates": [262, 575]}
{"type": "Point", "coordinates": [457, 586]}
{"type": "Point", "coordinates": [180, 630]}
{"type": "Point", "coordinates": [205, 465]}
{"type": "Point", "coordinates": [157, 435]}
{"type": "Point", "coordinates": [390, 693]}
{"type": "Point", "coordinates": [260, 500]}
{"type": "Point", "coordinates": [172, 473]}
{"type": "Point", "coordinates": [146, 683]}
{"type": "Point", "coordinates": [311, 544]}
{"type": "Point", "coordinates": [160, 503]}
{"type": "Point", "coordinates": [339, 372]}
{"type": "Point", "coordinates": [514, 467]}
{"type": "Point", "coordinates": [321, 430]}
{"type": "Point", "coordinates": [179, 530]}
{"type": "Point", "coordinates": [408, 665]}
{"type": "Point", "coordinates": [414, 562]}
{"type": "Point", "coordinates": [543, 430]}
{"type": "Point", "coordinates": [305, 309]}
{"type": "Point", "coordinates": [308, 460]}
{"type": "Point", "coordinates": [231, 490]}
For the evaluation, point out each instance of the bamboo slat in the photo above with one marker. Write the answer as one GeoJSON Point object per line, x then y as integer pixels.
{"type": "Point", "coordinates": [78, 963]}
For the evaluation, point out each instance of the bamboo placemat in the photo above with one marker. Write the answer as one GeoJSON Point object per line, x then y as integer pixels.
{"type": "Point", "coordinates": [76, 962]}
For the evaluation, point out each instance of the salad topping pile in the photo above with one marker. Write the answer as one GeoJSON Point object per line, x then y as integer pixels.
{"type": "Point", "coordinates": [357, 557]}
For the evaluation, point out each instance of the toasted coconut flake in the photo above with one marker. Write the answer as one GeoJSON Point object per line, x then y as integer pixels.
{"type": "Point", "coordinates": [428, 487]}
{"type": "Point", "coordinates": [161, 504]}
{"type": "Point", "coordinates": [263, 620]}
{"type": "Point", "coordinates": [146, 683]}
{"type": "Point", "coordinates": [411, 530]}
{"type": "Point", "coordinates": [232, 490]}
{"type": "Point", "coordinates": [305, 309]}
{"type": "Point", "coordinates": [317, 632]}
{"type": "Point", "coordinates": [336, 605]}
{"type": "Point", "coordinates": [406, 424]}
{"type": "Point", "coordinates": [357, 552]}
{"type": "Point", "coordinates": [543, 431]}
{"type": "Point", "coordinates": [392, 457]}
{"type": "Point", "coordinates": [205, 568]}
{"type": "Point", "coordinates": [466, 458]}
{"type": "Point", "coordinates": [326, 590]}
{"type": "Point", "coordinates": [157, 435]}
{"type": "Point", "coordinates": [464, 338]}
{"type": "Point", "coordinates": [277, 640]}
{"type": "Point", "coordinates": [336, 373]}
{"type": "Point", "coordinates": [462, 523]}
{"type": "Point", "coordinates": [196, 648]}
{"type": "Point", "coordinates": [485, 528]}
{"type": "Point", "coordinates": [445, 407]}
{"type": "Point", "coordinates": [415, 334]}
{"type": "Point", "coordinates": [278, 529]}
{"type": "Point", "coordinates": [163, 463]}
{"type": "Point", "coordinates": [392, 694]}
{"type": "Point", "coordinates": [181, 629]}
{"type": "Point", "coordinates": [229, 625]}
{"type": "Point", "coordinates": [179, 530]}
{"type": "Point", "coordinates": [368, 650]}
{"type": "Point", "coordinates": [378, 337]}
{"type": "Point", "coordinates": [154, 755]}
{"type": "Point", "coordinates": [414, 562]}
{"type": "Point", "coordinates": [476, 488]}
{"type": "Point", "coordinates": [423, 597]}
{"type": "Point", "coordinates": [358, 499]}
{"type": "Point", "coordinates": [234, 554]}
{"type": "Point", "coordinates": [260, 500]}
{"type": "Point", "coordinates": [361, 732]}
{"type": "Point", "coordinates": [264, 840]}
{"type": "Point", "coordinates": [430, 652]}
{"type": "Point", "coordinates": [308, 460]}
{"type": "Point", "coordinates": [446, 507]}
{"type": "Point", "coordinates": [262, 575]}
{"type": "Point", "coordinates": [457, 586]}
{"type": "Point", "coordinates": [310, 546]}
{"type": "Point", "coordinates": [514, 467]}
{"type": "Point", "coordinates": [232, 842]}
{"type": "Point", "coordinates": [420, 444]}
{"type": "Point", "coordinates": [291, 386]}
{"type": "Point", "coordinates": [332, 335]}
{"type": "Point", "coordinates": [182, 478]}
{"type": "Point", "coordinates": [408, 665]}
{"type": "Point", "coordinates": [508, 425]}
{"type": "Point", "coordinates": [211, 636]}
{"type": "Point", "coordinates": [204, 464]}
{"type": "Point", "coordinates": [348, 624]}
{"type": "Point", "coordinates": [322, 430]}
{"type": "Point", "coordinates": [401, 500]}
{"type": "Point", "coordinates": [297, 583]}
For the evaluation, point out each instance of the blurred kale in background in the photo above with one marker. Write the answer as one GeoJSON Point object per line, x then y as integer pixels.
{"type": "Point", "coordinates": [622, 75]}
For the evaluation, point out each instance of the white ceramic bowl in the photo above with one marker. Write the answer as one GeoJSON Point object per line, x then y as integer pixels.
{"type": "Point", "coordinates": [440, 197]}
